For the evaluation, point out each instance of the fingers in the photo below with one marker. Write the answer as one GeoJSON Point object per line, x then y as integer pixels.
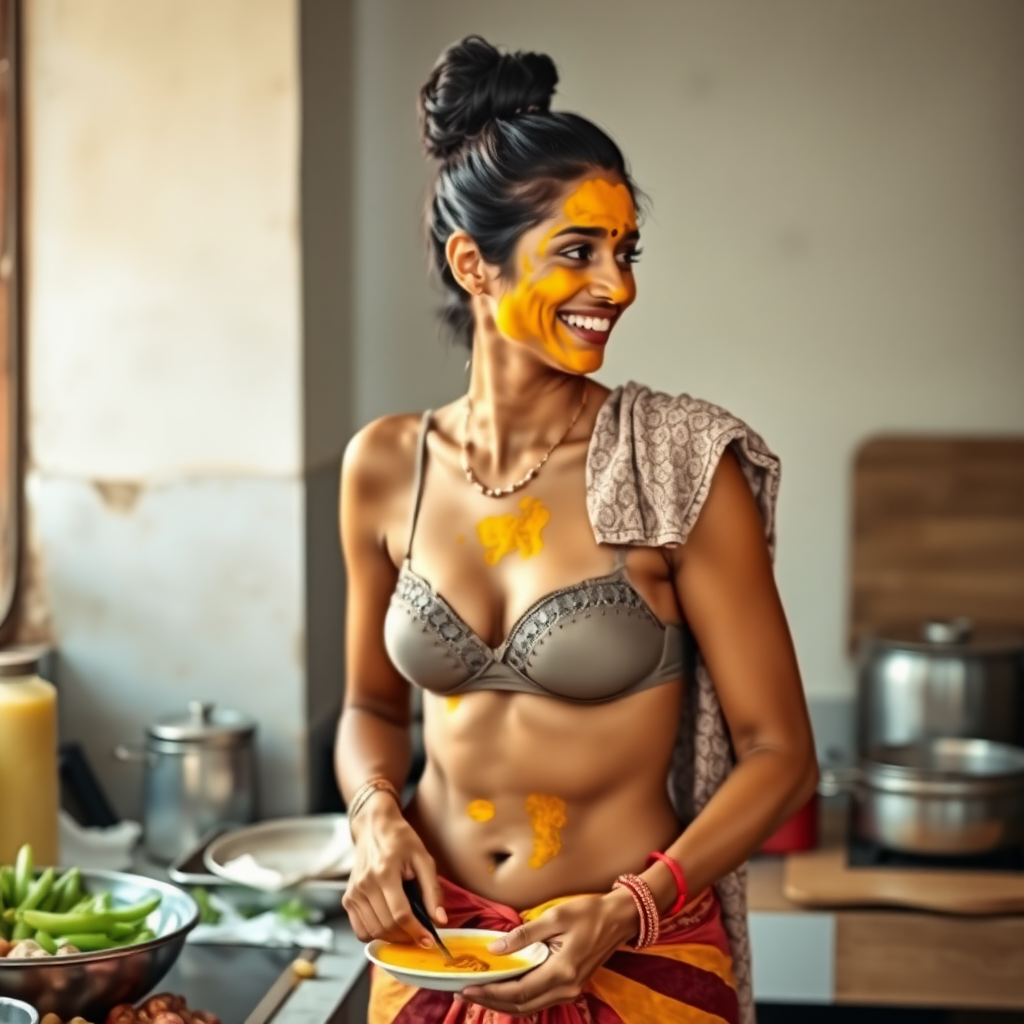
{"type": "Point", "coordinates": [392, 907]}
{"type": "Point", "coordinates": [547, 926]}
{"type": "Point", "coordinates": [433, 893]}
{"type": "Point", "coordinates": [540, 989]}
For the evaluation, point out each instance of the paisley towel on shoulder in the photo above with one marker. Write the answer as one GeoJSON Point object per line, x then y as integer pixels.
{"type": "Point", "coordinates": [684, 978]}
{"type": "Point", "coordinates": [649, 470]}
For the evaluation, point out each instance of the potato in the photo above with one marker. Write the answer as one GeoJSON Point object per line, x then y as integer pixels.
{"type": "Point", "coordinates": [5, 946]}
{"type": "Point", "coordinates": [123, 1013]}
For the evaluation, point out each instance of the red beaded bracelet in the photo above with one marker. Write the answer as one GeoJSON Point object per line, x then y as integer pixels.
{"type": "Point", "coordinates": [677, 874]}
{"type": "Point", "coordinates": [645, 906]}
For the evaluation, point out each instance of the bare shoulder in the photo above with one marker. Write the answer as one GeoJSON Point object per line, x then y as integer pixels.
{"type": "Point", "coordinates": [382, 454]}
{"type": "Point", "coordinates": [377, 474]}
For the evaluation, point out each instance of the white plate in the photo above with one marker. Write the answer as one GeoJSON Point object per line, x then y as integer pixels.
{"type": "Point", "coordinates": [533, 955]}
{"type": "Point", "coordinates": [266, 855]}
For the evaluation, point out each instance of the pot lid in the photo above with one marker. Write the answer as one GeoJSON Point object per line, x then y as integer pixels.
{"type": "Point", "coordinates": [18, 662]}
{"type": "Point", "coordinates": [950, 637]}
{"type": "Point", "coordinates": [945, 767]}
{"type": "Point", "coordinates": [204, 723]}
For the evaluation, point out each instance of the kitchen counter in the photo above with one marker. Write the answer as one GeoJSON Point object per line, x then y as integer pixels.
{"type": "Point", "coordinates": [232, 981]}
{"type": "Point", "coordinates": [880, 957]}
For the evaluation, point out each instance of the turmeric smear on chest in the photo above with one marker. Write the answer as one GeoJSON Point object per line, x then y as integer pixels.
{"type": "Point", "coordinates": [548, 818]}
{"type": "Point", "coordinates": [511, 533]}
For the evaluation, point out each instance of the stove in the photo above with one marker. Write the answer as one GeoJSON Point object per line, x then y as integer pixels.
{"type": "Point", "coordinates": [863, 853]}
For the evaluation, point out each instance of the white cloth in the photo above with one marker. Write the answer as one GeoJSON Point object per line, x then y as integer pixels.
{"type": "Point", "coordinates": [266, 929]}
{"type": "Point", "coordinates": [106, 849]}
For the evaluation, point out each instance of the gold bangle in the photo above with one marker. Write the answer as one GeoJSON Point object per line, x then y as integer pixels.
{"type": "Point", "coordinates": [367, 789]}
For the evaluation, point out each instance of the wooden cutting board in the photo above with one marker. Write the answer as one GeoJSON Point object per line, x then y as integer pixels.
{"type": "Point", "coordinates": [822, 878]}
{"type": "Point", "coordinates": [938, 532]}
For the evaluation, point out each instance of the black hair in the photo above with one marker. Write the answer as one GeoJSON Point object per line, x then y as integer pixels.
{"type": "Point", "coordinates": [504, 156]}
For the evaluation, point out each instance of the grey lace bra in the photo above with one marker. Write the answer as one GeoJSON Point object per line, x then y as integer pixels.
{"type": "Point", "coordinates": [596, 640]}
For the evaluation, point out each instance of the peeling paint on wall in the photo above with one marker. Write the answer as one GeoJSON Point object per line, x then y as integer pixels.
{"type": "Point", "coordinates": [119, 496]}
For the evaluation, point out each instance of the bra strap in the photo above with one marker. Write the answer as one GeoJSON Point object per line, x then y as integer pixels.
{"type": "Point", "coordinates": [417, 480]}
{"type": "Point", "coordinates": [620, 556]}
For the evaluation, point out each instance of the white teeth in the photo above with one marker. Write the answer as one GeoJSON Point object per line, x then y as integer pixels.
{"type": "Point", "coordinates": [589, 323]}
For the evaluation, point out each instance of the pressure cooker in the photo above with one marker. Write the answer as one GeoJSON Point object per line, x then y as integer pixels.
{"type": "Point", "coordinates": [940, 679]}
{"type": "Point", "coordinates": [199, 774]}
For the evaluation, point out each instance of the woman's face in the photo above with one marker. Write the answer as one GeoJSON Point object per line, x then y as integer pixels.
{"type": "Point", "coordinates": [574, 275]}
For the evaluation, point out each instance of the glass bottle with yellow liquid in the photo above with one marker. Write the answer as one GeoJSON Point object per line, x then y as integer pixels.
{"type": "Point", "coordinates": [29, 787]}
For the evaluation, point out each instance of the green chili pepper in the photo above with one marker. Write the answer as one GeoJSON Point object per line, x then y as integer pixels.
{"type": "Point", "coordinates": [135, 912]}
{"type": "Point", "coordinates": [7, 884]}
{"type": "Point", "coordinates": [45, 939]}
{"type": "Point", "coordinates": [208, 914]}
{"type": "Point", "coordinates": [22, 930]}
{"type": "Point", "coordinates": [38, 891]}
{"type": "Point", "coordinates": [89, 942]}
{"type": "Point", "coordinates": [23, 871]}
{"type": "Point", "coordinates": [88, 921]}
{"type": "Point", "coordinates": [123, 930]}
{"type": "Point", "coordinates": [72, 891]}
{"type": "Point", "coordinates": [52, 900]}
{"type": "Point", "coordinates": [102, 902]}
{"type": "Point", "coordinates": [65, 924]}
{"type": "Point", "coordinates": [145, 935]}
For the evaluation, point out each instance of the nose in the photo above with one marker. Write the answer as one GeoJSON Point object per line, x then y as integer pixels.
{"type": "Point", "coordinates": [612, 283]}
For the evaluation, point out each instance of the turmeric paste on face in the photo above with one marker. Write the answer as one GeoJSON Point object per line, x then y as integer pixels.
{"type": "Point", "coordinates": [507, 534]}
{"type": "Point", "coordinates": [547, 816]}
{"type": "Point", "coordinates": [530, 310]}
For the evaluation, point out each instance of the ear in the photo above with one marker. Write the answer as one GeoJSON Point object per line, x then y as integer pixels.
{"type": "Point", "coordinates": [467, 265]}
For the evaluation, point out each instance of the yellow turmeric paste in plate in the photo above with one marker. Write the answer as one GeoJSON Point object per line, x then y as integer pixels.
{"type": "Point", "coordinates": [415, 958]}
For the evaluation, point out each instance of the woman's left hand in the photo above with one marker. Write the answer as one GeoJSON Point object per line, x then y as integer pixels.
{"type": "Point", "coordinates": [581, 933]}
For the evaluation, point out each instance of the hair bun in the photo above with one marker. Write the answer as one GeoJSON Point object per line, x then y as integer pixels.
{"type": "Point", "coordinates": [473, 83]}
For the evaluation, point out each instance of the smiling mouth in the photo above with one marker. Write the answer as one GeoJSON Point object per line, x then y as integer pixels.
{"type": "Point", "coordinates": [590, 328]}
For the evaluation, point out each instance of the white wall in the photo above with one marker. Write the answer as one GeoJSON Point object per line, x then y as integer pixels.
{"type": "Point", "coordinates": [836, 243]}
{"type": "Point", "coordinates": [164, 337]}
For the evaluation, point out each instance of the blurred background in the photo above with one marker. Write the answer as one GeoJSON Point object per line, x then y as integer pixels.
{"type": "Point", "coordinates": [222, 276]}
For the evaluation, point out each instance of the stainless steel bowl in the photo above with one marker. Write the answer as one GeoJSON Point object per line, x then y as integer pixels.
{"type": "Point", "coordinates": [14, 1011]}
{"type": "Point", "coordinates": [89, 984]}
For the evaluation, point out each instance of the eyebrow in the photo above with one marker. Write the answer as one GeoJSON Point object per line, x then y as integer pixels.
{"type": "Point", "coordinates": [630, 236]}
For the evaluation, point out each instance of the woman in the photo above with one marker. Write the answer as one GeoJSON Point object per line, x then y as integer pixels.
{"type": "Point", "coordinates": [495, 561]}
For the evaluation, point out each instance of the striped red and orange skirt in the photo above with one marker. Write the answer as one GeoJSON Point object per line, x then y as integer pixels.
{"type": "Point", "coordinates": [684, 978]}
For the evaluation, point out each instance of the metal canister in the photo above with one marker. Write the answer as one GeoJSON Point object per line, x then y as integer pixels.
{"type": "Point", "coordinates": [200, 774]}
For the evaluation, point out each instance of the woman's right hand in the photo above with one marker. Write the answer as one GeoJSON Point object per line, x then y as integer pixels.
{"type": "Point", "coordinates": [388, 850]}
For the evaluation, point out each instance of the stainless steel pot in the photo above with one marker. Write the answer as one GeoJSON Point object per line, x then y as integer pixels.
{"type": "Point", "coordinates": [941, 679]}
{"type": "Point", "coordinates": [947, 796]}
{"type": "Point", "coordinates": [200, 773]}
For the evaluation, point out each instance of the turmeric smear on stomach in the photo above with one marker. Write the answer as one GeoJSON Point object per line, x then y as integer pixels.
{"type": "Point", "coordinates": [480, 810]}
{"type": "Point", "coordinates": [415, 958]}
{"type": "Point", "coordinates": [547, 816]}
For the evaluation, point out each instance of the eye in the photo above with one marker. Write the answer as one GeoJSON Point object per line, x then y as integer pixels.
{"type": "Point", "coordinates": [577, 252]}
{"type": "Point", "coordinates": [629, 256]}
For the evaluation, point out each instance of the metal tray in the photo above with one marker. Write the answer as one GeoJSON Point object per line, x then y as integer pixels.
{"type": "Point", "coordinates": [190, 870]}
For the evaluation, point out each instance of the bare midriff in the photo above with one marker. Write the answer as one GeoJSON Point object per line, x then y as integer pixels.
{"type": "Point", "coordinates": [527, 798]}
